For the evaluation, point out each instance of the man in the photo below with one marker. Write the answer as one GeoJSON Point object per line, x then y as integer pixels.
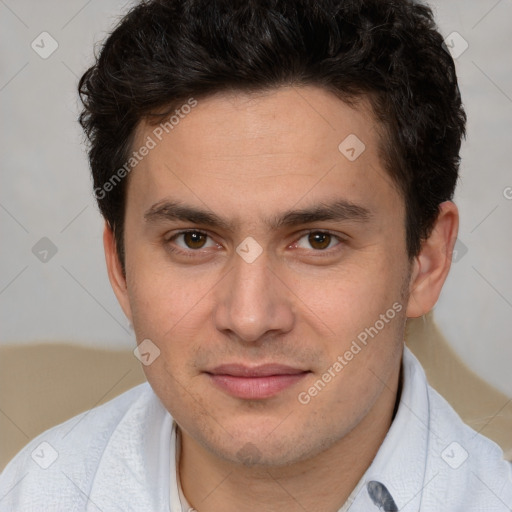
{"type": "Point", "coordinates": [276, 179]}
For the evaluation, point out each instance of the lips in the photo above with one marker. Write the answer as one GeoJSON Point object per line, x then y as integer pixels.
{"type": "Point", "coordinates": [257, 382]}
{"type": "Point", "coordinates": [265, 370]}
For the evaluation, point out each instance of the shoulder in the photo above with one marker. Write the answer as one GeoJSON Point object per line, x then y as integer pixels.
{"type": "Point", "coordinates": [66, 456]}
{"type": "Point", "coordinates": [471, 467]}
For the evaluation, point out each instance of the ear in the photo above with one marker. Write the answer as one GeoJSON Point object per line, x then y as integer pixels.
{"type": "Point", "coordinates": [430, 268]}
{"type": "Point", "coordinates": [115, 271]}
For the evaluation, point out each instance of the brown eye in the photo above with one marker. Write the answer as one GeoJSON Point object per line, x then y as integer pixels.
{"type": "Point", "coordinates": [194, 239]}
{"type": "Point", "coordinates": [319, 240]}
{"type": "Point", "coordinates": [191, 244]}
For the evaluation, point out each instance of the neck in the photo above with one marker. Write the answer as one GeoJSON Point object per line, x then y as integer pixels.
{"type": "Point", "coordinates": [323, 482]}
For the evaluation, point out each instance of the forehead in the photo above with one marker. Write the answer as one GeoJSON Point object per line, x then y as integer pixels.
{"type": "Point", "coordinates": [287, 145]}
{"type": "Point", "coordinates": [303, 119]}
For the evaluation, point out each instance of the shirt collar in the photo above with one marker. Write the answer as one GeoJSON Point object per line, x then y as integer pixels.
{"type": "Point", "coordinates": [177, 499]}
{"type": "Point", "coordinates": [396, 476]}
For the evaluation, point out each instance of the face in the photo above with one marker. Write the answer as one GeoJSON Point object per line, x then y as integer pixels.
{"type": "Point", "coordinates": [269, 267]}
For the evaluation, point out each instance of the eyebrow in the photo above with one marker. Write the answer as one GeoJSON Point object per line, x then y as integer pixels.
{"type": "Point", "coordinates": [339, 210]}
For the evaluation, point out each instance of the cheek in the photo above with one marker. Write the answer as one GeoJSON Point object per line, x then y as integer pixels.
{"type": "Point", "coordinates": [355, 295]}
{"type": "Point", "coordinates": [365, 312]}
{"type": "Point", "coordinates": [156, 313]}
{"type": "Point", "coordinates": [166, 316]}
{"type": "Point", "coordinates": [162, 296]}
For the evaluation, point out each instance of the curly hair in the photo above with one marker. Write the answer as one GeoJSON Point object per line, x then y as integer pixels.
{"type": "Point", "coordinates": [165, 51]}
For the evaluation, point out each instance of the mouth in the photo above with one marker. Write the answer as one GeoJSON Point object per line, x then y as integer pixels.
{"type": "Point", "coordinates": [257, 382]}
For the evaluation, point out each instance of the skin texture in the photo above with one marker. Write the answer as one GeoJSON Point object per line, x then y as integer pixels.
{"type": "Point", "coordinates": [248, 158]}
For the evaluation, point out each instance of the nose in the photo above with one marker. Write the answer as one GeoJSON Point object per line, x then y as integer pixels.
{"type": "Point", "coordinates": [253, 303]}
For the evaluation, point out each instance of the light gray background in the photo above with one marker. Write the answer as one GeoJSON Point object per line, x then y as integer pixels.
{"type": "Point", "coordinates": [46, 188]}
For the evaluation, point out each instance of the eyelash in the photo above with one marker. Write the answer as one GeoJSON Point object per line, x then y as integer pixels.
{"type": "Point", "coordinates": [191, 252]}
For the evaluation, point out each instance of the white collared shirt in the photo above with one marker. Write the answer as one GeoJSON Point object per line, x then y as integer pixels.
{"type": "Point", "coordinates": [123, 455]}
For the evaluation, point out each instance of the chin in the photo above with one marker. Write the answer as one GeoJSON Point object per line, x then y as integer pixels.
{"type": "Point", "coordinates": [254, 446]}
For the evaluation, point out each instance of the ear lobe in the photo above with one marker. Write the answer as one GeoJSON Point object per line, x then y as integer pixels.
{"type": "Point", "coordinates": [115, 271]}
{"type": "Point", "coordinates": [432, 264]}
